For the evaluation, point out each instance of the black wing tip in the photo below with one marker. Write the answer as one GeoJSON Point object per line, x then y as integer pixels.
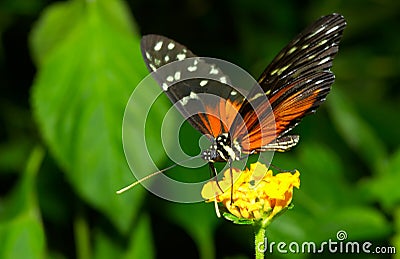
{"type": "Point", "coordinates": [148, 39]}
{"type": "Point", "coordinates": [331, 20]}
{"type": "Point", "coordinates": [154, 37]}
{"type": "Point", "coordinates": [334, 17]}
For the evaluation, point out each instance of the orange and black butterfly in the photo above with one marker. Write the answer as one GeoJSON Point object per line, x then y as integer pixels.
{"type": "Point", "coordinates": [296, 82]}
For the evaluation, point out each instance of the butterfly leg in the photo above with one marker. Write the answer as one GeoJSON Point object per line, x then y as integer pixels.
{"type": "Point", "coordinates": [231, 173]}
{"type": "Point", "coordinates": [214, 174]}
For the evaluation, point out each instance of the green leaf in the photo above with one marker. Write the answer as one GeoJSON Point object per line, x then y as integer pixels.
{"type": "Point", "coordinates": [322, 175]}
{"type": "Point", "coordinates": [60, 19]}
{"type": "Point", "coordinates": [326, 202]}
{"type": "Point", "coordinates": [236, 220]}
{"type": "Point", "coordinates": [13, 153]}
{"type": "Point", "coordinates": [90, 63]}
{"type": "Point", "coordinates": [22, 237]}
{"type": "Point", "coordinates": [141, 243]}
{"type": "Point", "coordinates": [199, 220]}
{"type": "Point", "coordinates": [52, 29]}
{"type": "Point", "coordinates": [82, 236]}
{"type": "Point", "coordinates": [358, 134]}
{"type": "Point", "coordinates": [21, 230]}
{"type": "Point", "coordinates": [395, 240]}
{"type": "Point", "coordinates": [384, 187]}
{"type": "Point", "coordinates": [104, 246]}
{"type": "Point", "coordinates": [360, 222]}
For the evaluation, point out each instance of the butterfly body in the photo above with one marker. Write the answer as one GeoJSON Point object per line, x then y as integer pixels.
{"type": "Point", "coordinates": [222, 149]}
{"type": "Point", "coordinates": [240, 123]}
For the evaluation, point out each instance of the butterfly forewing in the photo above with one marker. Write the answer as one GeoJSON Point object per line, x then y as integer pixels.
{"type": "Point", "coordinates": [296, 82]}
{"type": "Point", "coordinates": [158, 51]}
{"type": "Point", "coordinates": [195, 86]}
{"type": "Point", "coordinates": [311, 51]}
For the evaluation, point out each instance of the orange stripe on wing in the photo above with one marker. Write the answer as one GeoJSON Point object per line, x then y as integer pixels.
{"type": "Point", "coordinates": [219, 119]}
{"type": "Point", "coordinates": [286, 114]}
{"type": "Point", "coordinates": [257, 128]}
{"type": "Point", "coordinates": [293, 108]}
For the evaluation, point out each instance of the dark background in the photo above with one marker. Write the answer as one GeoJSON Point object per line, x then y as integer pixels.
{"type": "Point", "coordinates": [348, 156]}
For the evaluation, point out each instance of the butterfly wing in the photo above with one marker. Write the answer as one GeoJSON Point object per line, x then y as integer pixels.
{"type": "Point", "coordinates": [296, 82]}
{"type": "Point", "coordinates": [198, 89]}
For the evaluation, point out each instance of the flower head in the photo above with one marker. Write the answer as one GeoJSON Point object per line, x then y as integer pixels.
{"type": "Point", "coordinates": [257, 193]}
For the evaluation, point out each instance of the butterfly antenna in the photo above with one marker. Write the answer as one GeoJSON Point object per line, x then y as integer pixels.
{"type": "Point", "coordinates": [152, 175]}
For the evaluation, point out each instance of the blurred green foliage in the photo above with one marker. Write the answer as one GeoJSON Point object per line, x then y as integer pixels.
{"type": "Point", "coordinates": [67, 70]}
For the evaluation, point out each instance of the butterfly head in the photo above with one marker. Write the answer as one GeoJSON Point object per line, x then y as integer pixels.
{"type": "Point", "coordinates": [222, 149]}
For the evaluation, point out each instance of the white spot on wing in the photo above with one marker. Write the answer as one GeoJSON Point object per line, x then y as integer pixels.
{"type": "Point", "coordinates": [193, 95]}
{"type": "Point", "coordinates": [170, 79]}
{"type": "Point", "coordinates": [185, 99]}
{"type": "Point", "coordinates": [257, 96]}
{"type": "Point", "coordinates": [222, 79]}
{"type": "Point", "coordinates": [171, 45]}
{"type": "Point", "coordinates": [192, 68]}
{"type": "Point", "coordinates": [311, 57]}
{"type": "Point", "coordinates": [332, 29]}
{"type": "Point", "coordinates": [158, 46]}
{"type": "Point", "coordinates": [305, 46]}
{"type": "Point", "coordinates": [165, 86]}
{"type": "Point", "coordinates": [203, 82]}
{"type": "Point", "coordinates": [292, 50]}
{"type": "Point", "coordinates": [280, 71]}
{"type": "Point", "coordinates": [181, 56]}
{"type": "Point", "coordinates": [315, 32]}
{"type": "Point", "coordinates": [274, 72]}
{"type": "Point", "coordinates": [213, 70]}
{"type": "Point", "coordinates": [148, 56]}
{"type": "Point", "coordinates": [324, 60]}
{"type": "Point", "coordinates": [153, 67]}
{"type": "Point", "coordinates": [177, 75]}
{"type": "Point", "coordinates": [233, 92]}
{"type": "Point", "coordinates": [322, 42]}
{"type": "Point", "coordinates": [166, 58]}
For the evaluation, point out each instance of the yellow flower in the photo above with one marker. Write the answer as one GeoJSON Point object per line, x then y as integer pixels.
{"type": "Point", "coordinates": [257, 193]}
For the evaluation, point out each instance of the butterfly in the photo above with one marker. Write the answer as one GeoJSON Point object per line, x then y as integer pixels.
{"type": "Point", "coordinates": [295, 83]}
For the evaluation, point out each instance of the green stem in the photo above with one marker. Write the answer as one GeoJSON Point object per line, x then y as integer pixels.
{"type": "Point", "coordinates": [82, 237]}
{"type": "Point", "coordinates": [259, 243]}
